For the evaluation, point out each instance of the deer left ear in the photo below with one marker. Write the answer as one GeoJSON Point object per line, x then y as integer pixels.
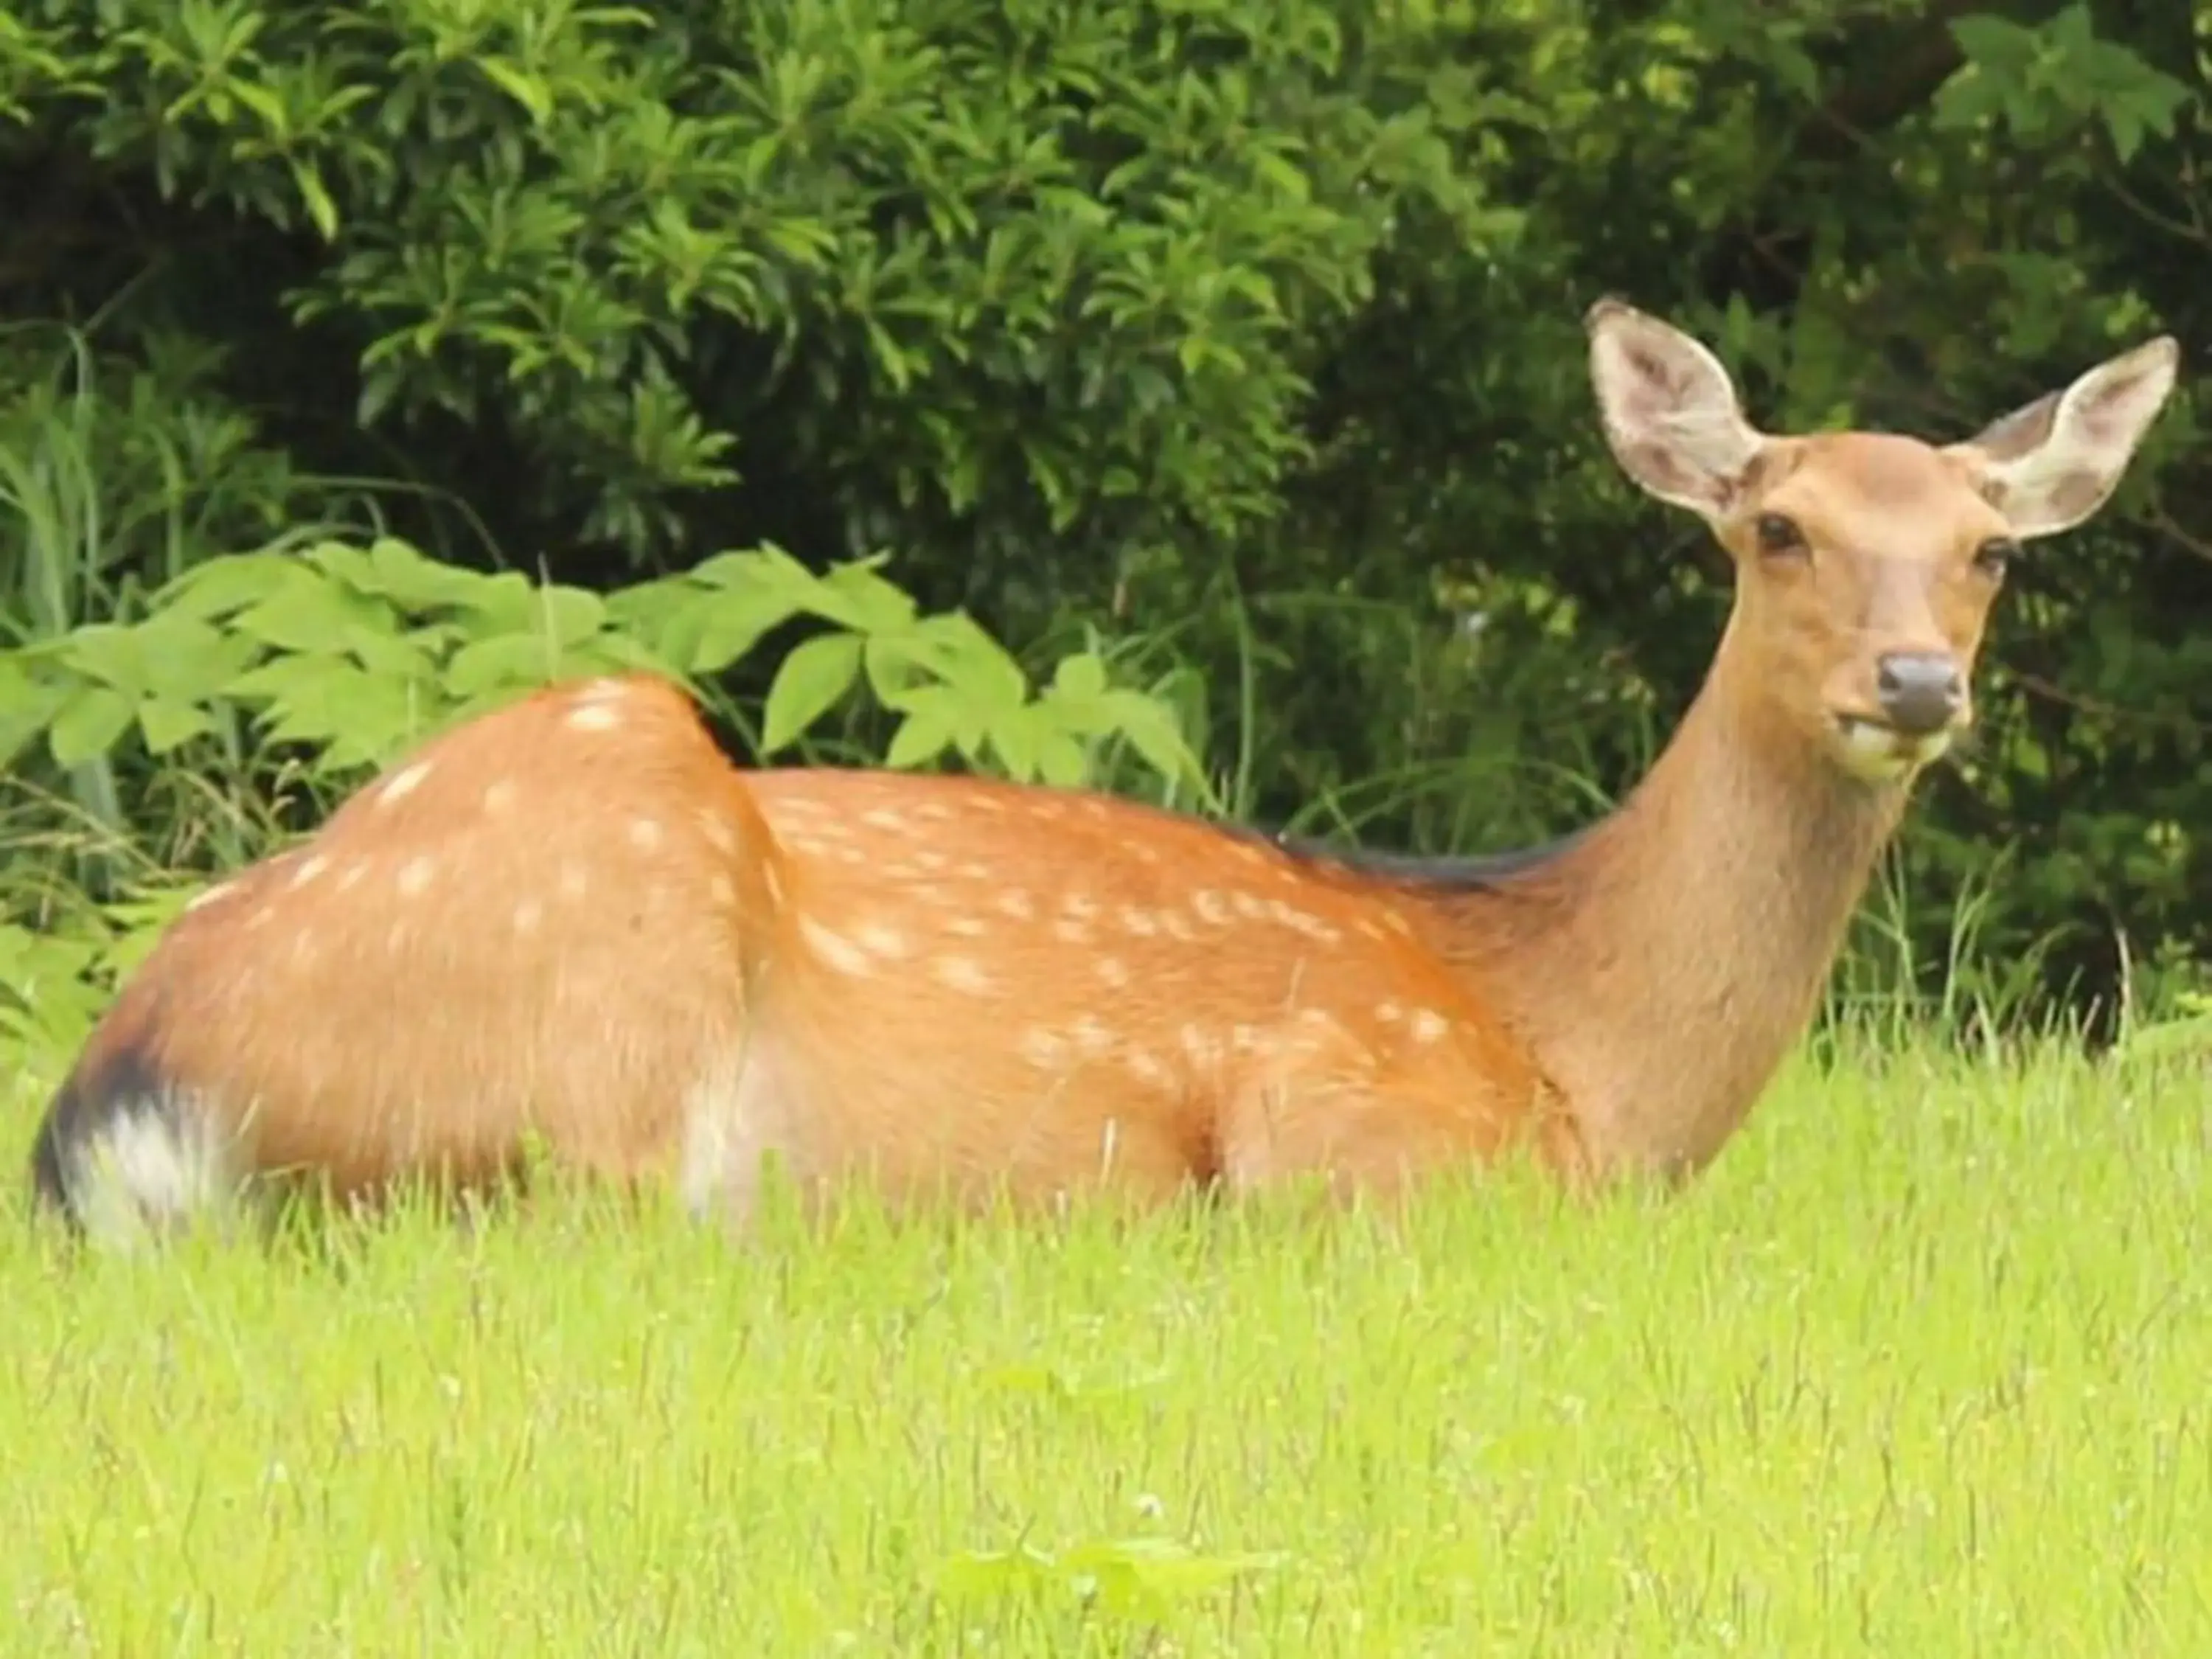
{"type": "Point", "coordinates": [2051, 463]}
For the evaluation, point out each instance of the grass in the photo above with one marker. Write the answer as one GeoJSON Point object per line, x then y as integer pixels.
{"type": "Point", "coordinates": [1920, 1367]}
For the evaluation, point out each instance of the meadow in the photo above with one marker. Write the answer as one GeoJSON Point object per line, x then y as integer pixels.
{"type": "Point", "coordinates": [1920, 1366]}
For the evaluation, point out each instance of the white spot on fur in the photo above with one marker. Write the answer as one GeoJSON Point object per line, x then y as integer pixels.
{"type": "Point", "coordinates": [1091, 1036]}
{"type": "Point", "coordinates": [1112, 971]}
{"type": "Point", "coordinates": [1196, 1044]}
{"type": "Point", "coordinates": [414, 876]}
{"type": "Point", "coordinates": [403, 783]}
{"type": "Point", "coordinates": [350, 877]}
{"type": "Point", "coordinates": [1145, 1069]}
{"type": "Point", "coordinates": [1070, 933]}
{"type": "Point", "coordinates": [720, 836]}
{"type": "Point", "coordinates": [773, 882]}
{"type": "Point", "coordinates": [1388, 1013]}
{"type": "Point", "coordinates": [835, 948]}
{"type": "Point", "coordinates": [646, 834]}
{"type": "Point", "coordinates": [499, 799]}
{"type": "Point", "coordinates": [1079, 906]}
{"type": "Point", "coordinates": [723, 891]}
{"type": "Point", "coordinates": [527, 915]}
{"type": "Point", "coordinates": [965, 927]}
{"type": "Point", "coordinates": [596, 715]}
{"type": "Point", "coordinates": [882, 818]}
{"type": "Point", "coordinates": [199, 901]}
{"type": "Point", "coordinates": [1211, 906]}
{"type": "Point", "coordinates": [964, 974]}
{"type": "Point", "coordinates": [1175, 924]}
{"type": "Point", "coordinates": [1142, 923]}
{"type": "Point", "coordinates": [1250, 906]}
{"type": "Point", "coordinates": [1041, 1048]}
{"type": "Point", "coordinates": [879, 940]}
{"type": "Point", "coordinates": [573, 881]}
{"type": "Point", "coordinates": [1429, 1026]}
{"type": "Point", "coordinates": [309, 867]}
{"type": "Point", "coordinates": [935, 863]}
{"type": "Point", "coordinates": [1016, 904]}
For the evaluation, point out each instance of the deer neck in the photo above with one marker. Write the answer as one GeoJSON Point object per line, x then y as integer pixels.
{"type": "Point", "coordinates": [1662, 968]}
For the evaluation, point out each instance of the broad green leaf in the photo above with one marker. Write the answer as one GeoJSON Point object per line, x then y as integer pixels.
{"type": "Point", "coordinates": [505, 603]}
{"type": "Point", "coordinates": [413, 582]}
{"type": "Point", "coordinates": [920, 738]}
{"type": "Point", "coordinates": [28, 706]}
{"type": "Point", "coordinates": [168, 724]}
{"type": "Point", "coordinates": [731, 621]}
{"type": "Point", "coordinates": [569, 615]}
{"type": "Point", "coordinates": [1082, 675]}
{"type": "Point", "coordinates": [400, 656]}
{"type": "Point", "coordinates": [312, 617]}
{"type": "Point", "coordinates": [811, 679]}
{"type": "Point", "coordinates": [186, 660]}
{"type": "Point", "coordinates": [89, 725]}
{"type": "Point", "coordinates": [505, 664]}
{"type": "Point", "coordinates": [865, 601]}
{"type": "Point", "coordinates": [110, 654]}
{"type": "Point", "coordinates": [1061, 761]}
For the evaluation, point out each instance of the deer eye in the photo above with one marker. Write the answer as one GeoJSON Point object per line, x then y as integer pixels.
{"type": "Point", "coordinates": [1996, 555]}
{"type": "Point", "coordinates": [1778, 534]}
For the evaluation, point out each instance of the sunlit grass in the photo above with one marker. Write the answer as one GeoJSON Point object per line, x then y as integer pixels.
{"type": "Point", "coordinates": [1923, 1367]}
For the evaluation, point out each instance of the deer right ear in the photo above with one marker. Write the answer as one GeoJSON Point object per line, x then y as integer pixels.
{"type": "Point", "coordinates": [1670, 411]}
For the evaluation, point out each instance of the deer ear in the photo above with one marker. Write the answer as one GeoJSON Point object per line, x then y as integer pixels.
{"type": "Point", "coordinates": [1670, 411]}
{"type": "Point", "coordinates": [2051, 464]}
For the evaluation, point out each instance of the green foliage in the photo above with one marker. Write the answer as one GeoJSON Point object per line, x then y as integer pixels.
{"type": "Point", "coordinates": [359, 653]}
{"type": "Point", "coordinates": [1228, 349]}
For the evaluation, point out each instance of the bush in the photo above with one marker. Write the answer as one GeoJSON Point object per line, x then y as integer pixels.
{"type": "Point", "coordinates": [1222, 344]}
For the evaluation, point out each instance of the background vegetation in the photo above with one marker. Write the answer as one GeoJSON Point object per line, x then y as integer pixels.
{"type": "Point", "coordinates": [365, 363]}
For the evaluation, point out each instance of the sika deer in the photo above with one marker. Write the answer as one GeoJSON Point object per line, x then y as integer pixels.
{"type": "Point", "coordinates": [571, 918]}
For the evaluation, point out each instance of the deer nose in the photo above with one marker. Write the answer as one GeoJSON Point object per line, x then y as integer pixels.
{"type": "Point", "coordinates": [1920, 691]}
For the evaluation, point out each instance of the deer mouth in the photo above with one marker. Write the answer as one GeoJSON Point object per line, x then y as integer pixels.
{"type": "Point", "coordinates": [1874, 750]}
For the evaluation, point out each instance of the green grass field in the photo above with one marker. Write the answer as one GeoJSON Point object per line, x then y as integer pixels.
{"type": "Point", "coordinates": [1924, 1366]}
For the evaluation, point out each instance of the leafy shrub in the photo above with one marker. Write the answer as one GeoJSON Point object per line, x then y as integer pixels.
{"type": "Point", "coordinates": [1235, 342]}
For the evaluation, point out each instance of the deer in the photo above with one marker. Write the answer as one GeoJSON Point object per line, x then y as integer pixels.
{"type": "Point", "coordinates": [572, 923]}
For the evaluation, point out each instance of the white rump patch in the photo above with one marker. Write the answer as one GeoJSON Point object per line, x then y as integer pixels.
{"type": "Point", "coordinates": [148, 1171]}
